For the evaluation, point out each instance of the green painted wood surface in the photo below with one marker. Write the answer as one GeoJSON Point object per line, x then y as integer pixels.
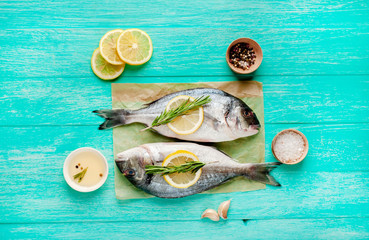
{"type": "Point", "coordinates": [315, 74]}
{"type": "Point", "coordinates": [335, 99]}
{"type": "Point", "coordinates": [328, 228]}
{"type": "Point", "coordinates": [188, 51]}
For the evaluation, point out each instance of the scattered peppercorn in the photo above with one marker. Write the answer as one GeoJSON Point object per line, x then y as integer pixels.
{"type": "Point", "coordinates": [242, 56]}
{"type": "Point", "coordinates": [79, 164]}
{"type": "Point", "coordinates": [101, 174]}
{"type": "Point", "coordinates": [81, 168]}
{"type": "Point", "coordinates": [76, 166]}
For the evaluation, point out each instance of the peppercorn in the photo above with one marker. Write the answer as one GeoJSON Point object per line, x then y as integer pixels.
{"type": "Point", "coordinates": [242, 56]}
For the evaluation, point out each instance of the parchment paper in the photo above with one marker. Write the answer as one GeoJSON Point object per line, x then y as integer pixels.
{"type": "Point", "coordinates": [132, 96]}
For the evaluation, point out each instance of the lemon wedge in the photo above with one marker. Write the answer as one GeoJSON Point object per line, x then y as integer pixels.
{"type": "Point", "coordinates": [188, 123]}
{"type": "Point", "coordinates": [108, 47]}
{"type": "Point", "coordinates": [181, 180]}
{"type": "Point", "coordinates": [134, 47]}
{"type": "Point", "coordinates": [103, 69]}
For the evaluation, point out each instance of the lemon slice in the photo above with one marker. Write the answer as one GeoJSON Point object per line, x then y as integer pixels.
{"type": "Point", "coordinates": [134, 47]}
{"type": "Point", "coordinates": [181, 180]}
{"type": "Point", "coordinates": [188, 123]}
{"type": "Point", "coordinates": [103, 69]}
{"type": "Point", "coordinates": [108, 47]}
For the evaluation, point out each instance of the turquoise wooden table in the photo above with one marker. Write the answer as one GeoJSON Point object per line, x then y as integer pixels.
{"type": "Point", "coordinates": [315, 75]}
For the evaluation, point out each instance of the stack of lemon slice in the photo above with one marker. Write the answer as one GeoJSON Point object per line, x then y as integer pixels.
{"type": "Point", "coordinates": [118, 47]}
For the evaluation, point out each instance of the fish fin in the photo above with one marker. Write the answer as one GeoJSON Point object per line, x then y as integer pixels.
{"type": "Point", "coordinates": [222, 151]}
{"type": "Point", "coordinates": [113, 118]}
{"type": "Point", "coordinates": [260, 172]}
{"type": "Point", "coordinates": [211, 145]}
{"type": "Point", "coordinates": [149, 103]}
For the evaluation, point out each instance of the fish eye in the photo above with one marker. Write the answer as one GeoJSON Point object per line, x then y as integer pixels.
{"type": "Point", "coordinates": [129, 172]}
{"type": "Point", "coordinates": [247, 114]}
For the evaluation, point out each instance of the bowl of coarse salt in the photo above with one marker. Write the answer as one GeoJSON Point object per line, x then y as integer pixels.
{"type": "Point", "coordinates": [290, 146]}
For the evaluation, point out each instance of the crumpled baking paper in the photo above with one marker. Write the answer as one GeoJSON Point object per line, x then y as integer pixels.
{"type": "Point", "coordinates": [133, 96]}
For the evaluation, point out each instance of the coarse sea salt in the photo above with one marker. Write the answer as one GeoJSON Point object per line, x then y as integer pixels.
{"type": "Point", "coordinates": [289, 147]}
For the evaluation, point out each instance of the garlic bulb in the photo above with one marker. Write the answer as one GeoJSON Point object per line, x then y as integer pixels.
{"type": "Point", "coordinates": [211, 214]}
{"type": "Point", "coordinates": [223, 209]}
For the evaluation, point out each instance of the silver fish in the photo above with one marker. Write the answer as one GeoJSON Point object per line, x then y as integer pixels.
{"type": "Point", "coordinates": [226, 117]}
{"type": "Point", "coordinates": [218, 169]}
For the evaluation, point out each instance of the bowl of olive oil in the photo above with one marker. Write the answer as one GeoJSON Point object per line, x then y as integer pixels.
{"type": "Point", "coordinates": [85, 169]}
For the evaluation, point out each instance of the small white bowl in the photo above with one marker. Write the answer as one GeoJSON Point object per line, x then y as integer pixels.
{"type": "Point", "coordinates": [69, 179]}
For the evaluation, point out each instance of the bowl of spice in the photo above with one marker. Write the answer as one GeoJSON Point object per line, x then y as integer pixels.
{"type": "Point", "coordinates": [244, 55]}
{"type": "Point", "coordinates": [85, 169]}
{"type": "Point", "coordinates": [290, 146]}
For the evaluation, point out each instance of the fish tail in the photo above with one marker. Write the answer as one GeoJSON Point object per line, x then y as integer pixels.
{"type": "Point", "coordinates": [260, 172]}
{"type": "Point", "coordinates": [113, 118]}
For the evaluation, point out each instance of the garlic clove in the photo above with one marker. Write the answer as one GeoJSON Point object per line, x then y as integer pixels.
{"type": "Point", "coordinates": [211, 214]}
{"type": "Point", "coordinates": [223, 209]}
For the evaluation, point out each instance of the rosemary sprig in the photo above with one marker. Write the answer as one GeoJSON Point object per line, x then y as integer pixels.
{"type": "Point", "coordinates": [191, 166]}
{"type": "Point", "coordinates": [80, 175]}
{"type": "Point", "coordinates": [168, 116]}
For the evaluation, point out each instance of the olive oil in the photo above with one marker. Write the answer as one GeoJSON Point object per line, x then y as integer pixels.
{"type": "Point", "coordinates": [90, 162]}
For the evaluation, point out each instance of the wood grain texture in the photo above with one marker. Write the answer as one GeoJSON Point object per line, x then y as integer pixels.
{"type": "Point", "coordinates": [192, 13]}
{"type": "Point", "coordinates": [298, 99]}
{"type": "Point", "coordinates": [47, 198]}
{"type": "Point", "coordinates": [328, 228]}
{"type": "Point", "coordinates": [33, 189]}
{"type": "Point", "coordinates": [342, 147]}
{"type": "Point", "coordinates": [188, 52]}
{"type": "Point", "coordinates": [315, 74]}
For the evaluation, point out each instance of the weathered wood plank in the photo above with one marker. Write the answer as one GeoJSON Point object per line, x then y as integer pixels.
{"type": "Point", "coordinates": [67, 52]}
{"type": "Point", "coordinates": [300, 99]}
{"type": "Point", "coordinates": [214, 14]}
{"type": "Point", "coordinates": [328, 228]}
{"type": "Point", "coordinates": [328, 183]}
{"type": "Point", "coordinates": [332, 147]}
{"type": "Point", "coordinates": [47, 198]}
{"type": "Point", "coordinates": [331, 228]}
{"type": "Point", "coordinates": [46, 80]}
